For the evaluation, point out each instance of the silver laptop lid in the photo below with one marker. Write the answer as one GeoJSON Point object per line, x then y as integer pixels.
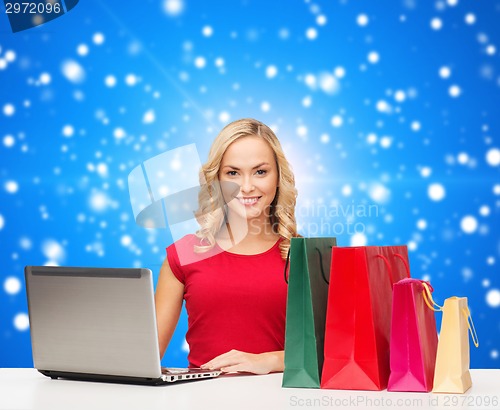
{"type": "Point", "coordinates": [93, 320]}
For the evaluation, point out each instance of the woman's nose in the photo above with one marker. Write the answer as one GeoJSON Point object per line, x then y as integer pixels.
{"type": "Point", "coordinates": [247, 185]}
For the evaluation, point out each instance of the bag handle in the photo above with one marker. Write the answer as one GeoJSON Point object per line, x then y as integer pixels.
{"type": "Point", "coordinates": [321, 266]}
{"type": "Point", "coordinates": [428, 299]}
{"type": "Point", "coordinates": [470, 324]}
{"type": "Point", "coordinates": [286, 264]}
{"type": "Point", "coordinates": [397, 255]}
{"type": "Point", "coordinates": [389, 269]}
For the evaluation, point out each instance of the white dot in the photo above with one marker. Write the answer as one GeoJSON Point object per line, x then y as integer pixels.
{"type": "Point", "coordinates": [200, 62]}
{"type": "Point", "coordinates": [385, 141]}
{"type": "Point", "coordinates": [265, 106]}
{"type": "Point", "coordinates": [119, 133]}
{"type": "Point", "coordinates": [21, 322]}
{"type": "Point", "coordinates": [307, 101]}
{"type": "Point", "coordinates": [12, 285]}
{"type": "Point", "coordinates": [98, 39]}
{"type": "Point", "coordinates": [102, 169]}
{"type": "Point", "coordinates": [494, 354]}
{"type": "Point", "coordinates": [311, 33]}
{"type": "Point", "coordinates": [10, 56]}
{"type": "Point", "coordinates": [400, 96]}
{"type": "Point", "coordinates": [45, 78]}
{"type": "Point", "coordinates": [73, 71]}
{"type": "Point", "coordinates": [455, 91]}
{"type": "Point", "coordinates": [149, 117]}
{"type": "Point", "coordinates": [126, 240]}
{"type": "Point", "coordinates": [436, 192]}
{"type": "Point", "coordinates": [493, 298]}
{"type": "Point", "coordinates": [383, 106]}
{"type": "Point", "coordinates": [468, 224]}
{"type": "Point", "coordinates": [9, 141]}
{"type": "Point", "coordinates": [436, 23]}
{"type": "Point", "coordinates": [302, 131]}
{"type": "Point", "coordinates": [2, 222]}
{"type": "Point", "coordinates": [339, 72]}
{"type": "Point", "coordinates": [310, 80]}
{"type": "Point", "coordinates": [452, 3]}
{"type": "Point", "coordinates": [422, 224]}
{"type": "Point", "coordinates": [491, 50]}
{"type": "Point", "coordinates": [490, 260]}
{"type": "Point", "coordinates": [324, 138]}
{"type": "Point", "coordinates": [173, 7]}
{"type": "Point", "coordinates": [98, 201]}
{"type": "Point", "coordinates": [3, 64]}
{"type": "Point", "coordinates": [82, 50]}
{"type": "Point", "coordinates": [224, 117]}
{"type": "Point", "coordinates": [493, 157]}
{"type": "Point", "coordinates": [373, 57]}
{"type": "Point", "coordinates": [415, 126]}
{"type": "Point", "coordinates": [444, 72]}
{"type": "Point", "coordinates": [207, 31]}
{"type": "Point", "coordinates": [425, 172]}
{"type": "Point", "coordinates": [219, 62]}
{"type": "Point", "coordinates": [484, 210]}
{"type": "Point", "coordinates": [346, 190]}
{"type": "Point", "coordinates": [463, 158]}
{"type": "Point", "coordinates": [496, 189]}
{"type": "Point", "coordinates": [470, 18]}
{"type": "Point", "coordinates": [337, 121]}
{"type": "Point", "coordinates": [9, 110]}
{"type": "Point", "coordinates": [328, 83]}
{"type": "Point", "coordinates": [271, 71]}
{"type": "Point", "coordinates": [358, 239]}
{"type": "Point", "coordinates": [11, 187]}
{"type": "Point", "coordinates": [68, 131]}
{"type": "Point", "coordinates": [379, 193]}
{"type": "Point", "coordinates": [412, 246]}
{"type": "Point", "coordinates": [131, 80]}
{"type": "Point", "coordinates": [371, 138]}
{"type": "Point", "coordinates": [110, 81]}
{"type": "Point", "coordinates": [321, 20]}
{"type": "Point", "coordinates": [362, 20]}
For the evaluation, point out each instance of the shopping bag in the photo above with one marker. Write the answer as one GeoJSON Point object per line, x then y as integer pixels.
{"type": "Point", "coordinates": [452, 361]}
{"type": "Point", "coordinates": [359, 316]}
{"type": "Point", "coordinates": [308, 276]}
{"type": "Point", "coordinates": [414, 337]}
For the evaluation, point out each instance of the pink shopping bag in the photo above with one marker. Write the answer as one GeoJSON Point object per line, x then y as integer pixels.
{"type": "Point", "coordinates": [414, 339]}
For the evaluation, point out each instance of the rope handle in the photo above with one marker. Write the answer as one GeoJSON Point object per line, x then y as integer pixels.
{"type": "Point", "coordinates": [428, 299]}
{"type": "Point", "coordinates": [397, 255]}
{"type": "Point", "coordinates": [470, 324]}
{"type": "Point", "coordinates": [320, 262]}
{"type": "Point", "coordinates": [286, 265]}
{"type": "Point", "coordinates": [389, 269]}
{"type": "Point", "coordinates": [321, 266]}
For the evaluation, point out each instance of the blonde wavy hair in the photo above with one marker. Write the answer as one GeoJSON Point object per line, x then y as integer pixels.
{"type": "Point", "coordinates": [211, 214]}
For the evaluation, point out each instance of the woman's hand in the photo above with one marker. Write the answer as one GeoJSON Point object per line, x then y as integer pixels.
{"type": "Point", "coordinates": [236, 361]}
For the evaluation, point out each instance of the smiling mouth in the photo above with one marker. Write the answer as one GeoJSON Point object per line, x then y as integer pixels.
{"type": "Point", "coordinates": [248, 201]}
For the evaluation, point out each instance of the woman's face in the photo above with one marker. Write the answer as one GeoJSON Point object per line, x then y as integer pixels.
{"type": "Point", "coordinates": [249, 163]}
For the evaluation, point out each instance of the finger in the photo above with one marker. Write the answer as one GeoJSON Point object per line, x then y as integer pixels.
{"type": "Point", "coordinates": [216, 360]}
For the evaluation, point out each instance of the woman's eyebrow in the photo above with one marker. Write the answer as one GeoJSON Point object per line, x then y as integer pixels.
{"type": "Point", "coordinates": [237, 169]}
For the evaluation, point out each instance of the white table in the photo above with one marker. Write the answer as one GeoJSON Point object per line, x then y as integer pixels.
{"type": "Point", "coordinates": [23, 389]}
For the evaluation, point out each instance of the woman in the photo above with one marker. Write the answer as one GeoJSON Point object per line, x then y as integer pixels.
{"type": "Point", "coordinates": [231, 272]}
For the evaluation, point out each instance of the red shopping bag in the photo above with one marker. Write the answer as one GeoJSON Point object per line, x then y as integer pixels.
{"type": "Point", "coordinates": [414, 337]}
{"type": "Point", "coordinates": [358, 317]}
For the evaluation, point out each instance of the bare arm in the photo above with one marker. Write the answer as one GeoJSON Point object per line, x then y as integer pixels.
{"type": "Point", "coordinates": [237, 361]}
{"type": "Point", "coordinates": [168, 301]}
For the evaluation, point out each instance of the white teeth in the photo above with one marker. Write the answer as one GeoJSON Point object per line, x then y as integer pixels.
{"type": "Point", "coordinates": [248, 201]}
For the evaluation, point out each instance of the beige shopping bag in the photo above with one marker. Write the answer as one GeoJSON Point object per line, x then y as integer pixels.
{"type": "Point", "coordinates": [452, 374]}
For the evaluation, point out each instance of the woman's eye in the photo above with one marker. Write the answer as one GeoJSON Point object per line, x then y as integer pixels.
{"type": "Point", "coordinates": [231, 173]}
{"type": "Point", "coordinates": [261, 172]}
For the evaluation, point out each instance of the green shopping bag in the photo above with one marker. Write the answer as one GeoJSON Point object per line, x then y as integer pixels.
{"type": "Point", "coordinates": [309, 260]}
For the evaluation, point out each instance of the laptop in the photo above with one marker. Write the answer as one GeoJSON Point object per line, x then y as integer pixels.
{"type": "Point", "coordinates": [97, 324]}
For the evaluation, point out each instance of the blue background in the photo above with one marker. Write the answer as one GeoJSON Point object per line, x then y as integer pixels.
{"type": "Point", "coordinates": [361, 133]}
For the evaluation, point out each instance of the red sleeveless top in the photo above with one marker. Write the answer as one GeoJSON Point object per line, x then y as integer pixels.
{"type": "Point", "coordinates": [232, 301]}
